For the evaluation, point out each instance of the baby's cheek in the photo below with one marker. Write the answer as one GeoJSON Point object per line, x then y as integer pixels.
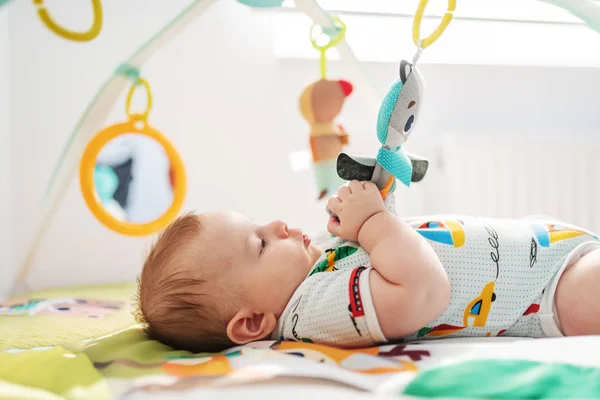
{"type": "Point", "coordinates": [262, 284]}
{"type": "Point", "coordinates": [283, 286]}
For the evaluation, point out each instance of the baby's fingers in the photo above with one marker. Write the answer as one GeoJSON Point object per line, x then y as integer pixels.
{"type": "Point", "coordinates": [343, 192]}
{"type": "Point", "coordinates": [334, 205]}
{"type": "Point", "coordinates": [371, 187]}
{"type": "Point", "coordinates": [356, 186]}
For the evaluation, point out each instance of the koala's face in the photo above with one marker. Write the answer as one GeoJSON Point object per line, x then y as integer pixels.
{"type": "Point", "coordinates": [406, 110]}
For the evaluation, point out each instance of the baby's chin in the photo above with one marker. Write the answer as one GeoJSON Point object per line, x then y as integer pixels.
{"type": "Point", "coordinates": [314, 252]}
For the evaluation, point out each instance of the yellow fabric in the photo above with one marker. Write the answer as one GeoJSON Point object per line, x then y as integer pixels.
{"type": "Point", "coordinates": [25, 332]}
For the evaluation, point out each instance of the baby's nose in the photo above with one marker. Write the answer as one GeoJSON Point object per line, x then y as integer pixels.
{"type": "Point", "coordinates": [282, 230]}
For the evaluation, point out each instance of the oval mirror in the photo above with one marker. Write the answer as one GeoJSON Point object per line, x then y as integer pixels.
{"type": "Point", "coordinates": [132, 179]}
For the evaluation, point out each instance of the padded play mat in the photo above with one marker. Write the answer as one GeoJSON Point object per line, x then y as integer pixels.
{"type": "Point", "coordinates": [82, 343]}
{"type": "Point", "coordinates": [52, 317]}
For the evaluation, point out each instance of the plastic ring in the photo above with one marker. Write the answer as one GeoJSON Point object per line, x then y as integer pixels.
{"type": "Point", "coordinates": [66, 33]}
{"type": "Point", "coordinates": [332, 42]}
{"type": "Point", "coordinates": [446, 19]}
{"type": "Point", "coordinates": [86, 179]}
{"type": "Point", "coordinates": [143, 116]}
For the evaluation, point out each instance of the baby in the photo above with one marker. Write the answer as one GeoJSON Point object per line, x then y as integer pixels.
{"type": "Point", "coordinates": [217, 280]}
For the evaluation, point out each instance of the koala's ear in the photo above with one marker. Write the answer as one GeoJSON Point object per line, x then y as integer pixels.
{"type": "Point", "coordinates": [405, 70]}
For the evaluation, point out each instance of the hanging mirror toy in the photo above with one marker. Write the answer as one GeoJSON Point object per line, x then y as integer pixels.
{"type": "Point", "coordinates": [133, 152]}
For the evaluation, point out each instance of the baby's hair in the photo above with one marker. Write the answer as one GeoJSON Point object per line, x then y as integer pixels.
{"type": "Point", "coordinates": [173, 296]}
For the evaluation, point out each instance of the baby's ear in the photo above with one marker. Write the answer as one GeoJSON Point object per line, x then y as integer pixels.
{"type": "Point", "coordinates": [247, 326]}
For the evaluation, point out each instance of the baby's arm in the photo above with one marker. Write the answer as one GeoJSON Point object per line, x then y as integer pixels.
{"type": "Point", "coordinates": [409, 285]}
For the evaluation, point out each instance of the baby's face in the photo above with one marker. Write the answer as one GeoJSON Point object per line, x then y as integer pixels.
{"type": "Point", "coordinates": [265, 264]}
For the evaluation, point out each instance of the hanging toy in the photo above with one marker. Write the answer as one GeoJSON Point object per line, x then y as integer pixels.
{"type": "Point", "coordinates": [100, 184]}
{"type": "Point", "coordinates": [397, 118]}
{"type": "Point", "coordinates": [320, 103]}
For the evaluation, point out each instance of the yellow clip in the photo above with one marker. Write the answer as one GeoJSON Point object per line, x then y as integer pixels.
{"type": "Point", "coordinates": [67, 34]}
{"type": "Point", "coordinates": [143, 116]}
{"type": "Point", "coordinates": [332, 43]}
{"type": "Point", "coordinates": [416, 31]}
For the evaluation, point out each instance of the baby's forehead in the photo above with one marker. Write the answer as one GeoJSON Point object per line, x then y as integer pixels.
{"type": "Point", "coordinates": [225, 220]}
{"type": "Point", "coordinates": [227, 236]}
{"type": "Point", "coordinates": [228, 226]}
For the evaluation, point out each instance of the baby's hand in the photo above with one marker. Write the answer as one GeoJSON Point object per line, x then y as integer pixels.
{"type": "Point", "coordinates": [354, 204]}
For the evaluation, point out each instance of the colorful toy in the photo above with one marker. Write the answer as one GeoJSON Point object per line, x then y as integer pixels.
{"type": "Point", "coordinates": [397, 118]}
{"type": "Point", "coordinates": [398, 115]}
{"type": "Point", "coordinates": [320, 103]}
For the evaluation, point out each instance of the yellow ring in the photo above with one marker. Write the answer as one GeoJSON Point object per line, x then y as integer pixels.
{"type": "Point", "coordinates": [66, 33]}
{"type": "Point", "coordinates": [86, 179]}
{"type": "Point", "coordinates": [446, 19]}
{"type": "Point", "coordinates": [332, 42]}
{"type": "Point", "coordinates": [146, 85]}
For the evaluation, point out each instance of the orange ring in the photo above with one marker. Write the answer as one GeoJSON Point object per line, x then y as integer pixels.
{"type": "Point", "coordinates": [86, 178]}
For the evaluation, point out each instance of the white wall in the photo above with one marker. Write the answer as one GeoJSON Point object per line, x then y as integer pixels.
{"type": "Point", "coordinates": [231, 109]}
{"type": "Point", "coordinates": [5, 220]}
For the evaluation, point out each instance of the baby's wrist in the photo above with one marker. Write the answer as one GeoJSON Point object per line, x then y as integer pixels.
{"type": "Point", "coordinates": [371, 230]}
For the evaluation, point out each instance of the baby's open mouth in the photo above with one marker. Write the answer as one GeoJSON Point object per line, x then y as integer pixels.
{"type": "Point", "coordinates": [306, 240]}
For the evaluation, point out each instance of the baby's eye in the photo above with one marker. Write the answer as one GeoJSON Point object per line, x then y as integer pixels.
{"type": "Point", "coordinates": [263, 245]}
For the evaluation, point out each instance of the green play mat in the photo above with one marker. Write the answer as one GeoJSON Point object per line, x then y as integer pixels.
{"type": "Point", "coordinates": [57, 316]}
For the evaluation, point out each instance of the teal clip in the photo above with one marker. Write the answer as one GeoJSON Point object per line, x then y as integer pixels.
{"type": "Point", "coordinates": [129, 71]}
{"type": "Point", "coordinates": [261, 3]}
{"type": "Point", "coordinates": [331, 31]}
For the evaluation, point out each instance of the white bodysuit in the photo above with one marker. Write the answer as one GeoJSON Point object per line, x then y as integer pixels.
{"type": "Point", "coordinates": [503, 276]}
